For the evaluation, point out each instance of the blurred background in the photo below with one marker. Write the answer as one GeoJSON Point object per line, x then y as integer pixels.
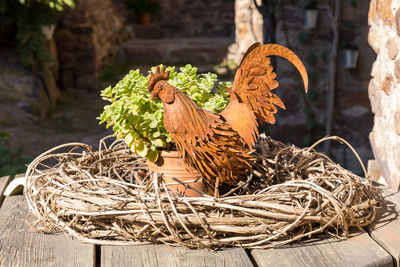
{"type": "Point", "coordinates": [56, 56]}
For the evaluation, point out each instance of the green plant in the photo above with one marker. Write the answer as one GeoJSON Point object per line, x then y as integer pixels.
{"type": "Point", "coordinates": [311, 58]}
{"type": "Point", "coordinates": [21, 23]}
{"type": "Point", "coordinates": [273, 6]}
{"type": "Point", "coordinates": [315, 130]}
{"type": "Point", "coordinates": [347, 45]}
{"type": "Point", "coordinates": [12, 162]}
{"type": "Point", "coordinates": [111, 73]}
{"type": "Point", "coordinates": [304, 37]}
{"type": "Point", "coordinates": [324, 57]}
{"type": "Point", "coordinates": [349, 25]}
{"type": "Point", "coordinates": [144, 6]}
{"type": "Point", "coordinates": [139, 120]}
{"type": "Point", "coordinates": [310, 4]}
{"type": "Point", "coordinates": [54, 4]}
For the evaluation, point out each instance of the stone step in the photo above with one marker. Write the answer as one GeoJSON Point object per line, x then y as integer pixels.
{"type": "Point", "coordinates": [149, 31]}
{"type": "Point", "coordinates": [194, 51]}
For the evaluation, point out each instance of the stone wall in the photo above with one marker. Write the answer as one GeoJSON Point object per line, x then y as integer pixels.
{"type": "Point", "coordinates": [352, 115]}
{"type": "Point", "coordinates": [87, 37]}
{"type": "Point", "coordinates": [188, 18]}
{"type": "Point", "coordinates": [249, 27]}
{"type": "Point", "coordinates": [384, 87]}
{"type": "Point", "coordinates": [90, 34]}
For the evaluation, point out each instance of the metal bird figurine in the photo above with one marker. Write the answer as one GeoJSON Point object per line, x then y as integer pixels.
{"type": "Point", "coordinates": [220, 146]}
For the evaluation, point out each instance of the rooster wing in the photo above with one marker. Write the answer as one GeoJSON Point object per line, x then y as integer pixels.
{"type": "Point", "coordinates": [205, 141]}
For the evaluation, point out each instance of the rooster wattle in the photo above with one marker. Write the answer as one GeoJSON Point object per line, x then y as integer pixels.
{"type": "Point", "coordinates": [220, 146]}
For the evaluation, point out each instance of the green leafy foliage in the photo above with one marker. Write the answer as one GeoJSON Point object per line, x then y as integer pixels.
{"type": "Point", "coordinates": [311, 58]}
{"type": "Point", "coordinates": [315, 129]}
{"type": "Point", "coordinates": [347, 45]}
{"type": "Point", "coordinates": [54, 4]}
{"type": "Point", "coordinates": [111, 73]}
{"type": "Point", "coordinates": [21, 22]}
{"type": "Point", "coordinates": [273, 5]}
{"type": "Point", "coordinates": [349, 25]}
{"type": "Point", "coordinates": [144, 6]}
{"type": "Point", "coordinates": [139, 120]}
{"type": "Point", "coordinates": [304, 37]}
{"type": "Point", "coordinates": [12, 162]}
{"type": "Point", "coordinates": [311, 4]}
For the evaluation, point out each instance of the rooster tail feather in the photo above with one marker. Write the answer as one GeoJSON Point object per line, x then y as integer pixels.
{"type": "Point", "coordinates": [286, 53]}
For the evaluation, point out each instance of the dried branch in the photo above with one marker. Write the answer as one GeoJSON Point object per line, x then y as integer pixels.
{"type": "Point", "coordinates": [109, 197]}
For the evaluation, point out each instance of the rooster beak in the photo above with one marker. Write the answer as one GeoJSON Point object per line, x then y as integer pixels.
{"type": "Point", "coordinates": [152, 96]}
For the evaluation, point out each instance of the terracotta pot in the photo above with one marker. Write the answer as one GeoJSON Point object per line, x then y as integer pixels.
{"type": "Point", "coordinates": [170, 164]}
{"type": "Point", "coordinates": [144, 18]}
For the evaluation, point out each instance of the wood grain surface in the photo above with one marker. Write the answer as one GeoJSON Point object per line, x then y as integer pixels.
{"type": "Point", "coordinates": [386, 231]}
{"type": "Point", "coordinates": [20, 246]}
{"type": "Point", "coordinates": [164, 255]}
{"type": "Point", "coordinates": [358, 251]}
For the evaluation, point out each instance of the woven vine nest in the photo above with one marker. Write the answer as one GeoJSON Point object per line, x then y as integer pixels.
{"type": "Point", "coordinates": [109, 197]}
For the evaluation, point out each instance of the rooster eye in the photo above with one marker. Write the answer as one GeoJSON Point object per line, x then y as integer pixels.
{"type": "Point", "coordinates": [160, 87]}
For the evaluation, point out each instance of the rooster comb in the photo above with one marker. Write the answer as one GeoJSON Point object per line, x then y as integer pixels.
{"type": "Point", "coordinates": [158, 75]}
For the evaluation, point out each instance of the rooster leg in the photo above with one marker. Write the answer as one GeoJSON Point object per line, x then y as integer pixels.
{"type": "Point", "coordinates": [216, 188]}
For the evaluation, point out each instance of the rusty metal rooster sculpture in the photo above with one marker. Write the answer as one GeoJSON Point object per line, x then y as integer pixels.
{"type": "Point", "coordinates": [220, 146]}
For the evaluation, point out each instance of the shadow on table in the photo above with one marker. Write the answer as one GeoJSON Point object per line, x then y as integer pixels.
{"type": "Point", "coordinates": [385, 214]}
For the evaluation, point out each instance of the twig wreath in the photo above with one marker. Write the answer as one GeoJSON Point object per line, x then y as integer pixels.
{"type": "Point", "coordinates": [110, 197]}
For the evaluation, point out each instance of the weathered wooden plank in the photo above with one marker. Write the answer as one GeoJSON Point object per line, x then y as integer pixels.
{"type": "Point", "coordinates": [164, 255]}
{"type": "Point", "coordinates": [20, 246]}
{"type": "Point", "coordinates": [358, 251]}
{"type": "Point", "coordinates": [3, 184]}
{"type": "Point", "coordinates": [387, 229]}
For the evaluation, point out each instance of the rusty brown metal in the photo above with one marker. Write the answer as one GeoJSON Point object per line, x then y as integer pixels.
{"type": "Point", "coordinates": [219, 146]}
{"type": "Point", "coordinates": [252, 87]}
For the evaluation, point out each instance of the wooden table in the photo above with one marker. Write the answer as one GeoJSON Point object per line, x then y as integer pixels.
{"type": "Point", "coordinates": [20, 246]}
